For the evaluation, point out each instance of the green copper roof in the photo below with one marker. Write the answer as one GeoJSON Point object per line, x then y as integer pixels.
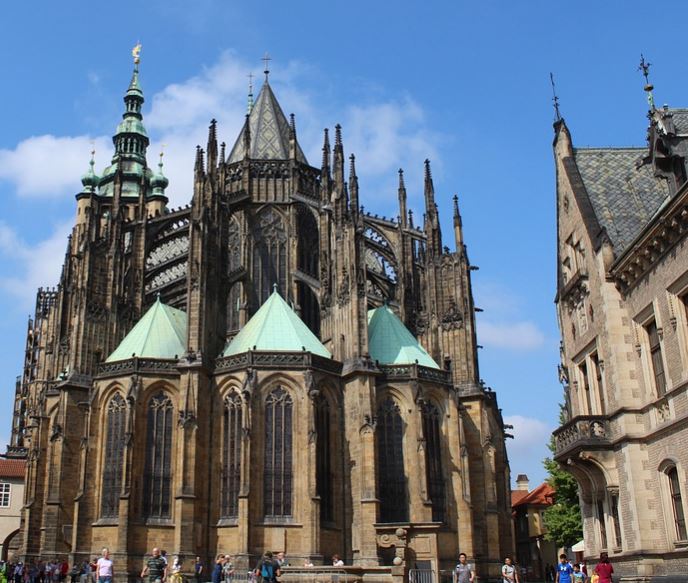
{"type": "Point", "coordinates": [161, 333]}
{"type": "Point", "coordinates": [275, 327]}
{"type": "Point", "coordinates": [390, 342]}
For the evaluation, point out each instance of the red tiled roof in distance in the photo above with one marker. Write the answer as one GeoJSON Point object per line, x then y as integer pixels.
{"type": "Point", "coordinates": [543, 495]}
{"type": "Point", "coordinates": [10, 468]}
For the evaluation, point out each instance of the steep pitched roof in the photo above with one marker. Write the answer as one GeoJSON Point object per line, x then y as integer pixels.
{"type": "Point", "coordinates": [160, 333]}
{"type": "Point", "coordinates": [275, 327]}
{"type": "Point", "coordinates": [624, 197]}
{"type": "Point", "coordinates": [269, 131]}
{"type": "Point", "coordinates": [543, 495]}
{"type": "Point", "coordinates": [390, 342]}
{"type": "Point", "coordinates": [10, 468]}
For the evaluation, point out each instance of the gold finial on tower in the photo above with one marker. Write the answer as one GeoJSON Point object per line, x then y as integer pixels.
{"type": "Point", "coordinates": [645, 68]}
{"type": "Point", "coordinates": [266, 60]}
{"type": "Point", "coordinates": [136, 53]}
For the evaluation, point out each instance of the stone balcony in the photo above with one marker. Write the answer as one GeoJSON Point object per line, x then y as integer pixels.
{"type": "Point", "coordinates": [582, 432]}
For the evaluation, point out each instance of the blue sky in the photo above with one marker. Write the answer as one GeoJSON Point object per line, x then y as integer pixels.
{"type": "Point", "coordinates": [464, 84]}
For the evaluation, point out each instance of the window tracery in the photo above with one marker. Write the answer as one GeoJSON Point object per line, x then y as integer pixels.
{"type": "Point", "coordinates": [433, 460]}
{"type": "Point", "coordinates": [158, 469]}
{"type": "Point", "coordinates": [277, 478]}
{"type": "Point", "coordinates": [324, 458]}
{"type": "Point", "coordinates": [391, 476]}
{"type": "Point", "coordinates": [113, 457]}
{"type": "Point", "coordinates": [269, 256]}
{"type": "Point", "coordinates": [231, 456]}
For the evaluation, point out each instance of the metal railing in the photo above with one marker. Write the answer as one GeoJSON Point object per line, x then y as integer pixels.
{"type": "Point", "coordinates": [422, 576]}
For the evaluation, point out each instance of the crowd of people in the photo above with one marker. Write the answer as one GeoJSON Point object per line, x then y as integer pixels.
{"type": "Point", "coordinates": [156, 569]}
{"type": "Point", "coordinates": [565, 572]}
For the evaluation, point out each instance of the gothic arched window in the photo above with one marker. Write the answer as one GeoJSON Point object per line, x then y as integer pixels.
{"type": "Point", "coordinates": [391, 477]}
{"type": "Point", "coordinates": [277, 478]}
{"type": "Point", "coordinates": [231, 456]}
{"type": "Point", "coordinates": [323, 468]}
{"type": "Point", "coordinates": [113, 457]}
{"type": "Point", "coordinates": [433, 460]}
{"type": "Point", "coordinates": [233, 265]}
{"type": "Point", "coordinates": [308, 244]}
{"type": "Point", "coordinates": [157, 477]}
{"type": "Point", "coordinates": [269, 256]}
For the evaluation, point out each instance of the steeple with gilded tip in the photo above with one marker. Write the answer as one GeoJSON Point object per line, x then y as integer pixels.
{"type": "Point", "coordinates": [403, 213]}
{"type": "Point", "coordinates": [130, 141]}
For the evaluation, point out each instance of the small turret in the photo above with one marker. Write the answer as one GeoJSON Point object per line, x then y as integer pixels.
{"type": "Point", "coordinates": [155, 205]}
{"type": "Point", "coordinates": [212, 147]}
{"type": "Point", "coordinates": [341, 202]}
{"type": "Point", "coordinates": [90, 182]}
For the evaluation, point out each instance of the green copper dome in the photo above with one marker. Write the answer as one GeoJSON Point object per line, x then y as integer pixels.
{"type": "Point", "coordinates": [90, 180]}
{"type": "Point", "coordinates": [390, 342]}
{"type": "Point", "coordinates": [275, 327]}
{"type": "Point", "coordinates": [160, 333]}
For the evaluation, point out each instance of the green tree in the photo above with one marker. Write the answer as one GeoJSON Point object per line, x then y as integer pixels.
{"type": "Point", "coordinates": [563, 518]}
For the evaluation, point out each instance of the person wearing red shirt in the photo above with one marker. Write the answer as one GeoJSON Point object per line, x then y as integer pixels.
{"type": "Point", "coordinates": [604, 569]}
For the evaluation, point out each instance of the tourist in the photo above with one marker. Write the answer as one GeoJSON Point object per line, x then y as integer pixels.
{"type": "Point", "coordinates": [216, 575]}
{"type": "Point", "coordinates": [267, 568]}
{"type": "Point", "coordinates": [509, 573]}
{"type": "Point", "coordinates": [564, 570]}
{"type": "Point", "coordinates": [18, 572]}
{"type": "Point", "coordinates": [464, 573]}
{"type": "Point", "coordinates": [104, 567]}
{"type": "Point", "coordinates": [64, 570]}
{"type": "Point", "coordinates": [176, 576]}
{"type": "Point", "coordinates": [282, 560]}
{"type": "Point", "coordinates": [227, 568]}
{"type": "Point", "coordinates": [156, 567]}
{"type": "Point", "coordinates": [578, 575]}
{"type": "Point", "coordinates": [85, 572]}
{"type": "Point", "coordinates": [337, 561]}
{"type": "Point", "coordinates": [308, 563]}
{"type": "Point", "coordinates": [198, 569]}
{"type": "Point", "coordinates": [604, 569]}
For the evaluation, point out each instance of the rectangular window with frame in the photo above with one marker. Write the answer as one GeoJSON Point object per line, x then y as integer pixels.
{"type": "Point", "coordinates": [585, 385]}
{"type": "Point", "coordinates": [599, 380]}
{"type": "Point", "coordinates": [5, 497]}
{"type": "Point", "coordinates": [603, 526]}
{"type": "Point", "coordinates": [656, 359]}
{"type": "Point", "coordinates": [614, 506]}
{"type": "Point", "coordinates": [677, 504]}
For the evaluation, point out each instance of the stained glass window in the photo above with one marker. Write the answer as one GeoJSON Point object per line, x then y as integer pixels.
{"type": "Point", "coordinates": [433, 460]}
{"type": "Point", "coordinates": [391, 477]}
{"type": "Point", "coordinates": [277, 479]}
{"type": "Point", "coordinates": [231, 456]}
{"type": "Point", "coordinates": [158, 469]}
{"type": "Point", "coordinates": [113, 457]}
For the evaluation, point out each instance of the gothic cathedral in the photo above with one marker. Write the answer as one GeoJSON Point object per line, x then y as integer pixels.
{"type": "Point", "coordinates": [268, 368]}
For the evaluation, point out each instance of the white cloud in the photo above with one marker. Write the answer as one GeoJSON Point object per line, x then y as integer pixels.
{"type": "Point", "coordinates": [50, 165]}
{"type": "Point", "coordinates": [34, 266]}
{"type": "Point", "coordinates": [529, 446]}
{"type": "Point", "coordinates": [519, 335]}
{"type": "Point", "coordinates": [384, 135]}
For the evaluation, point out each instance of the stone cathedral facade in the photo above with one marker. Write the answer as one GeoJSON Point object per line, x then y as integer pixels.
{"type": "Point", "coordinates": [268, 368]}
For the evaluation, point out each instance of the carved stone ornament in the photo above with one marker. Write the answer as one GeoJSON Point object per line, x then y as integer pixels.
{"type": "Point", "coordinates": [369, 424]}
{"type": "Point", "coordinates": [452, 318]}
{"type": "Point", "coordinates": [57, 432]}
{"type": "Point", "coordinates": [312, 389]}
{"type": "Point", "coordinates": [187, 419]}
{"type": "Point", "coordinates": [249, 385]}
{"type": "Point", "coordinates": [134, 389]}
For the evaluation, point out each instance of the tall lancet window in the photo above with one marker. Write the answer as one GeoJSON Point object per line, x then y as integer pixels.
{"type": "Point", "coordinates": [231, 456]}
{"type": "Point", "coordinates": [157, 477]}
{"type": "Point", "coordinates": [233, 267]}
{"type": "Point", "coordinates": [433, 460]}
{"type": "Point", "coordinates": [323, 468]}
{"type": "Point", "coordinates": [269, 256]}
{"type": "Point", "coordinates": [113, 457]}
{"type": "Point", "coordinates": [277, 479]}
{"type": "Point", "coordinates": [391, 477]}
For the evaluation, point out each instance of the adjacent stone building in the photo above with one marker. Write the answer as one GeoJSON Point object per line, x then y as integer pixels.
{"type": "Point", "coordinates": [622, 217]}
{"type": "Point", "coordinates": [11, 502]}
{"type": "Point", "coordinates": [268, 368]}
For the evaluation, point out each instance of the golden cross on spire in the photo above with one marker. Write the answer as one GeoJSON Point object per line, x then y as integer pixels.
{"type": "Point", "coordinates": [136, 53]}
{"type": "Point", "coordinates": [266, 61]}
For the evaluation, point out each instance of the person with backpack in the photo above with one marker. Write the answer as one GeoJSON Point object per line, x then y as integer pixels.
{"type": "Point", "coordinates": [267, 568]}
{"type": "Point", "coordinates": [216, 574]}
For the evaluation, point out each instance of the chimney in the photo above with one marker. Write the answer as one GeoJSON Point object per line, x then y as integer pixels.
{"type": "Point", "coordinates": [522, 483]}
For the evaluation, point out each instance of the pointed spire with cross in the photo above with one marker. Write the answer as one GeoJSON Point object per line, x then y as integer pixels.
{"type": "Point", "coordinates": [266, 61]}
{"type": "Point", "coordinates": [250, 93]}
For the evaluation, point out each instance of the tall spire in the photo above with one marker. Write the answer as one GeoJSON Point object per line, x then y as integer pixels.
{"type": "Point", "coordinates": [340, 194]}
{"type": "Point", "coordinates": [325, 177]}
{"type": "Point", "coordinates": [212, 146]}
{"type": "Point", "coordinates": [431, 224]}
{"type": "Point", "coordinates": [458, 224]}
{"type": "Point", "coordinates": [353, 187]}
{"type": "Point", "coordinates": [402, 199]}
{"type": "Point", "coordinates": [159, 182]}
